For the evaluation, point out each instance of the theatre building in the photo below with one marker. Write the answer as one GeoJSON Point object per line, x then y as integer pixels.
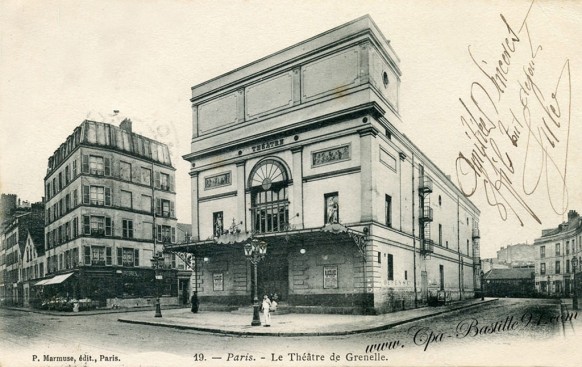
{"type": "Point", "coordinates": [302, 150]}
{"type": "Point", "coordinates": [110, 205]}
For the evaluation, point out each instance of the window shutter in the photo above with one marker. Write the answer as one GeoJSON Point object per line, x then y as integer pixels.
{"type": "Point", "coordinates": [85, 163]}
{"type": "Point", "coordinates": [158, 207]}
{"type": "Point", "coordinates": [108, 226]}
{"type": "Point", "coordinates": [108, 260]}
{"type": "Point", "coordinates": [172, 209]}
{"type": "Point", "coordinates": [86, 224]}
{"type": "Point", "coordinates": [173, 234]}
{"type": "Point", "coordinates": [171, 182]}
{"type": "Point", "coordinates": [85, 194]}
{"type": "Point", "coordinates": [136, 257]}
{"type": "Point", "coordinates": [107, 166]}
{"type": "Point", "coordinates": [157, 180]}
{"type": "Point", "coordinates": [108, 196]}
{"type": "Point", "coordinates": [119, 256]}
{"type": "Point", "coordinates": [87, 255]}
{"type": "Point", "coordinates": [159, 233]}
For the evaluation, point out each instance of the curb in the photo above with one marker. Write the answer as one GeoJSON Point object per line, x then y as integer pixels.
{"type": "Point", "coordinates": [292, 334]}
{"type": "Point", "coordinates": [86, 313]}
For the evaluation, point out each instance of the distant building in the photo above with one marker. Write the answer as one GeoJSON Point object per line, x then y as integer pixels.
{"type": "Point", "coordinates": [13, 246]}
{"type": "Point", "coordinates": [554, 252]}
{"type": "Point", "coordinates": [509, 283]}
{"type": "Point", "coordinates": [517, 256]}
{"type": "Point", "coordinates": [492, 263]}
{"type": "Point", "coordinates": [110, 207]}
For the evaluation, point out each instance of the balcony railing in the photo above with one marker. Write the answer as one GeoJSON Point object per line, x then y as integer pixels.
{"type": "Point", "coordinates": [272, 217]}
{"type": "Point", "coordinates": [427, 246]}
{"type": "Point", "coordinates": [476, 233]}
{"type": "Point", "coordinates": [425, 185]}
{"type": "Point", "coordinates": [425, 214]}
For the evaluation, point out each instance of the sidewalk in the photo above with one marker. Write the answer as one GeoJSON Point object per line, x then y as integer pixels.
{"type": "Point", "coordinates": [92, 312]}
{"type": "Point", "coordinates": [291, 324]}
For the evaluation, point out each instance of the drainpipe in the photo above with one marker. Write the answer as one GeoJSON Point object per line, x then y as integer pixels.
{"type": "Point", "coordinates": [414, 238]}
{"type": "Point", "coordinates": [459, 246]}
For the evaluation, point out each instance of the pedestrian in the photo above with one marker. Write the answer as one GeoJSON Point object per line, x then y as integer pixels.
{"type": "Point", "coordinates": [274, 302]}
{"type": "Point", "coordinates": [194, 301]}
{"type": "Point", "coordinates": [266, 307]}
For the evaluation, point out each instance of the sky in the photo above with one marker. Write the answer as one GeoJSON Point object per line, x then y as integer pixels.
{"type": "Point", "coordinates": [64, 61]}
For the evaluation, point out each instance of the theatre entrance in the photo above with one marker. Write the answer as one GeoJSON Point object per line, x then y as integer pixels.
{"type": "Point", "coordinates": [273, 275]}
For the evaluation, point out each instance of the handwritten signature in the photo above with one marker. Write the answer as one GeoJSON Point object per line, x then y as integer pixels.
{"type": "Point", "coordinates": [516, 149]}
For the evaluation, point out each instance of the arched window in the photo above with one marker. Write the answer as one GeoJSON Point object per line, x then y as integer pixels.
{"type": "Point", "coordinates": [268, 183]}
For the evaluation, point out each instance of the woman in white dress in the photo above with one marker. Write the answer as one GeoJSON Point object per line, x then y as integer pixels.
{"type": "Point", "coordinates": [266, 307]}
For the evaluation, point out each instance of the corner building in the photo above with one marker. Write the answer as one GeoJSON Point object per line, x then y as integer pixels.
{"type": "Point", "coordinates": [110, 203]}
{"type": "Point", "coordinates": [302, 150]}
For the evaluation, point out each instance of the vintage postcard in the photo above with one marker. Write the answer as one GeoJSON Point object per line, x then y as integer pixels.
{"type": "Point", "coordinates": [291, 183]}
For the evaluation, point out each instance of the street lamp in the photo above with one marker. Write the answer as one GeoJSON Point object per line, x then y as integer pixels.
{"type": "Point", "coordinates": [255, 251]}
{"type": "Point", "coordinates": [156, 265]}
{"type": "Point", "coordinates": [574, 295]}
{"type": "Point", "coordinates": [482, 294]}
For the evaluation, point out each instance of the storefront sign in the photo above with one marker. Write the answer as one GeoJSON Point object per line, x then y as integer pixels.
{"type": "Point", "coordinates": [218, 279]}
{"type": "Point", "coordinates": [330, 277]}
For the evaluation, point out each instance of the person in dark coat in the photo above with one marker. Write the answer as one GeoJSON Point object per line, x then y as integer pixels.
{"type": "Point", "coordinates": [194, 301]}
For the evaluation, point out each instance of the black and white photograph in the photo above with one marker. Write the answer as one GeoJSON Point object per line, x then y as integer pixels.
{"type": "Point", "coordinates": [290, 183]}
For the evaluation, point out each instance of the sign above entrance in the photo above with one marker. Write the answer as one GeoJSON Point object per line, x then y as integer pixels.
{"type": "Point", "coordinates": [267, 145]}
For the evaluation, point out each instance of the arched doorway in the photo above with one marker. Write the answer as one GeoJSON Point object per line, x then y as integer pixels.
{"type": "Point", "coordinates": [268, 183]}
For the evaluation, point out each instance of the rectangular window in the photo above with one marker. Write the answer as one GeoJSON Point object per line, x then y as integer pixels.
{"type": "Point", "coordinates": [61, 181]}
{"type": "Point", "coordinates": [146, 176]}
{"type": "Point", "coordinates": [440, 234]}
{"type": "Point", "coordinates": [567, 266]}
{"type": "Point", "coordinates": [164, 182]}
{"type": "Point", "coordinates": [126, 199]}
{"type": "Point", "coordinates": [164, 234]}
{"type": "Point", "coordinates": [127, 257]}
{"type": "Point", "coordinates": [388, 210]}
{"type": "Point", "coordinates": [390, 267]}
{"type": "Point", "coordinates": [557, 249]}
{"type": "Point", "coordinates": [165, 208]}
{"type": "Point", "coordinates": [557, 267]}
{"type": "Point", "coordinates": [125, 171]}
{"type": "Point", "coordinates": [331, 208]}
{"type": "Point", "coordinates": [67, 175]}
{"type": "Point", "coordinates": [74, 169]}
{"type": "Point", "coordinates": [97, 195]}
{"type": "Point", "coordinates": [379, 257]}
{"type": "Point", "coordinates": [127, 228]}
{"type": "Point", "coordinates": [96, 165]}
{"type": "Point", "coordinates": [87, 255]}
{"type": "Point", "coordinates": [542, 252]}
{"type": "Point", "coordinates": [97, 255]}
{"type": "Point", "coordinates": [97, 226]}
{"type": "Point", "coordinates": [567, 247]}
{"type": "Point", "coordinates": [108, 257]}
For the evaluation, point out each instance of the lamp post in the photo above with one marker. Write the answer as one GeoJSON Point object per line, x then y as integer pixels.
{"type": "Point", "coordinates": [574, 294]}
{"type": "Point", "coordinates": [156, 265]}
{"type": "Point", "coordinates": [255, 251]}
{"type": "Point", "coordinates": [482, 294]}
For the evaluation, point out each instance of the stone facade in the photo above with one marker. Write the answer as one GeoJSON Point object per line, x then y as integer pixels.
{"type": "Point", "coordinates": [110, 205]}
{"type": "Point", "coordinates": [554, 252]}
{"type": "Point", "coordinates": [301, 149]}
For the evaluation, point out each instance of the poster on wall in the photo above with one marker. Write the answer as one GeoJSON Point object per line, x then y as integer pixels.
{"type": "Point", "coordinates": [330, 277]}
{"type": "Point", "coordinates": [218, 279]}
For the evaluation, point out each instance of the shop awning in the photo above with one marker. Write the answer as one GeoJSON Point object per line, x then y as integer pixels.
{"type": "Point", "coordinates": [57, 279]}
{"type": "Point", "coordinates": [43, 282]}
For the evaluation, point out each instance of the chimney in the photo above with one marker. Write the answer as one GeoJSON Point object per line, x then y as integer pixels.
{"type": "Point", "coordinates": [126, 125]}
{"type": "Point", "coordinates": [572, 214]}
